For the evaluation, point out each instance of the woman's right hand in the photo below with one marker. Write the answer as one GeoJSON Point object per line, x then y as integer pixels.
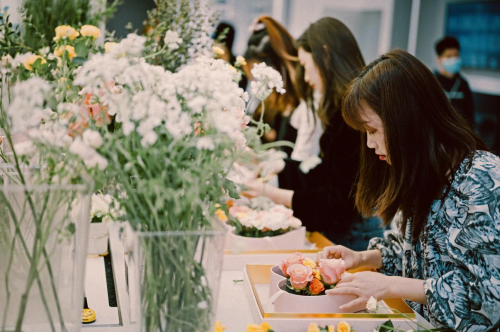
{"type": "Point", "coordinates": [351, 258]}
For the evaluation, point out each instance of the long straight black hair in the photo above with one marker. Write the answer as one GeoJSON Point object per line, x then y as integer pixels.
{"type": "Point", "coordinates": [425, 138]}
{"type": "Point", "coordinates": [338, 58]}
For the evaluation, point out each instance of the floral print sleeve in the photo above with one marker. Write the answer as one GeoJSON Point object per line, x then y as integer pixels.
{"type": "Point", "coordinates": [391, 248]}
{"type": "Point", "coordinates": [464, 292]}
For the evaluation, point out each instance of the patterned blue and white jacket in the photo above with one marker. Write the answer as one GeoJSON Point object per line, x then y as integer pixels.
{"type": "Point", "coordinates": [458, 253]}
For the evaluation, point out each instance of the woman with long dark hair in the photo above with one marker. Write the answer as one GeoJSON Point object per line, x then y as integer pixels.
{"type": "Point", "coordinates": [423, 165]}
{"type": "Point", "coordinates": [271, 43]}
{"type": "Point", "coordinates": [322, 197]}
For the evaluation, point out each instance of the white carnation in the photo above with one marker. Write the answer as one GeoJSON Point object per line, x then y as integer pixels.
{"type": "Point", "coordinates": [205, 143]}
{"type": "Point", "coordinates": [309, 164]}
{"type": "Point", "coordinates": [275, 221]}
{"type": "Point", "coordinates": [92, 138]}
{"type": "Point", "coordinates": [372, 304]}
{"type": "Point", "coordinates": [172, 40]}
{"type": "Point", "coordinates": [25, 148]}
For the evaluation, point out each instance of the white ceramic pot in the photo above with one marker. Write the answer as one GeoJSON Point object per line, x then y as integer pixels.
{"type": "Point", "coordinates": [293, 240]}
{"type": "Point", "coordinates": [276, 275]}
{"type": "Point", "coordinates": [98, 239]}
{"type": "Point", "coordinates": [319, 304]}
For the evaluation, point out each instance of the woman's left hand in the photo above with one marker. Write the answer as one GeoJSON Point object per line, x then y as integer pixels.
{"type": "Point", "coordinates": [363, 285]}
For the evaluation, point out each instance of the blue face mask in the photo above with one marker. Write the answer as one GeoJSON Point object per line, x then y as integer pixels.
{"type": "Point", "coordinates": [452, 65]}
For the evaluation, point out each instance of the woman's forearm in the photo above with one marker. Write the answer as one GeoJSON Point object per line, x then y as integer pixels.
{"type": "Point", "coordinates": [371, 259]}
{"type": "Point", "coordinates": [280, 196]}
{"type": "Point", "coordinates": [407, 289]}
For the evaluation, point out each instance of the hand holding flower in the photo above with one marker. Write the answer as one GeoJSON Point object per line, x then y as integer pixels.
{"type": "Point", "coordinates": [363, 285]}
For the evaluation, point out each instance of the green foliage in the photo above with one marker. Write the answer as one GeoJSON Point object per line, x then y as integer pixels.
{"type": "Point", "coordinates": [188, 19]}
{"type": "Point", "coordinates": [41, 17]}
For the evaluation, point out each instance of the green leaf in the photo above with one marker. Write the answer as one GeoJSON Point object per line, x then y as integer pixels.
{"type": "Point", "coordinates": [71, 228]}
{"type": "Point", "coordinates": [386, 327]}
{"type": "Point", "coordinates": [81, 49]}
{"type": "Point", "coordinates": [78, 60]}
{"type": "Point", "coordinates": [230, 189]}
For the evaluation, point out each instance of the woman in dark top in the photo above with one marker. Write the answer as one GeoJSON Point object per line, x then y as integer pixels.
{"type": "Point", "coordinates": [323, 197]}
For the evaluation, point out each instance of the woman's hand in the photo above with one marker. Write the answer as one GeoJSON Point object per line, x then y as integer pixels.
{"type": "Point", "coordinates": [351, 258]}
{"type": "Point", "coordinates": [363, 285]}
{"type": "Point", "coordinates": [277, 195]}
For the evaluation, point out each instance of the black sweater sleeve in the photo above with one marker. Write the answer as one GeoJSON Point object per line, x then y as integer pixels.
{"type": "Point", "coordinates": [324, 198]}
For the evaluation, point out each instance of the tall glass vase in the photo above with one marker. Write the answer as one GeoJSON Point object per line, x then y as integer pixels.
{"type": "Point", "coordinates": [179, 276]}
{"type": "Point", "coordinates": [43, 245]}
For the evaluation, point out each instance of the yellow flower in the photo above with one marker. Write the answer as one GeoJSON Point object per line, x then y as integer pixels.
{"type": "Point", "coordinates": [66, 32]}
{"type": "Point", "coordinates": [309, 262]}
{"type": "Point", "coordinates": [264, 327]}
{"type": "Point", "coordinates": [331, 328]}
{"type": "Point", "coordinates": [240, 61]}
{"type": "Point", "coordinates": [217, 50]}
{"type": "Point", "coordinates": [60, 51]}
{"type": "Point", "coordinates": [241, 215]}
{"type": "Point", "coordinates": [313, 328]}
{"type": "Point", "coordinates": [28, 64]}
{"type": "Point", "coordinates": [317, 274]}
{"type": "Point", "coordinates": [90, 31]}
{"type": "Point", "coordinates": [221, 215]}
{"type": "Point", "coordinates": [343, 327]}
{"type": "Point", "coordinates": [219, 327]}
{"type": "Point", "coordinates": [109, 46]}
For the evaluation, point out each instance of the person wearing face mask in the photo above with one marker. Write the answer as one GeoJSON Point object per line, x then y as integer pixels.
{"type": "Point", "coordinates": [321, 195]}
{"type": "Point", "coordinates": [455, 86]}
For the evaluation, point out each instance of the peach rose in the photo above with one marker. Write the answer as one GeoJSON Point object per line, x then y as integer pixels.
{"type": "Point", "coordinates": [316, 287]}
{"type": "Point", "coordinates": [331, 270]}
{"type": "Point", "coordinates": [343, 327]}
{"type": "Point", "coordinates": [66, 32]}
{"type": "Point", "coordinates": [296, 258]}
{"type": "Point", "coordinates": [300, 275]}
{"type": "Point", "coordinates": [90, 31]}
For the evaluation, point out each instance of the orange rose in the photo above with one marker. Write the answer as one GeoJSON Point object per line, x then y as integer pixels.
{"type": "Point", "coordinates": [316, 287]}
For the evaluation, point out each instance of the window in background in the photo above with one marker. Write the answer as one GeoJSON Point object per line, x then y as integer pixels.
{"type": "Point", "coordinates": [476, 25]}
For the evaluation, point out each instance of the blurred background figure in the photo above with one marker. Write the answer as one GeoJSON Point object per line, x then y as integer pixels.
{"type": "Point", "coordinates": [448, 74]}
{"type": "Point", "coordinates": [271, 43]}
{"type": "Point", "coordinates": [224, 37]}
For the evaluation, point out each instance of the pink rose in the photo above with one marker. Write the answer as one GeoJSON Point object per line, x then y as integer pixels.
{"type": "Point", "coordinates": [300, 275]}
{"type": "Point", "coordinates": [331, 270]}
{"type": "Point", "coordinates": [296, 258]}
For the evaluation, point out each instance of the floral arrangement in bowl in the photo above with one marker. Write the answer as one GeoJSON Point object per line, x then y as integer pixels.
{"type": "Point", "coordinates": [262, 218]}
{"type": "Point", "coordinates": [305, 277]}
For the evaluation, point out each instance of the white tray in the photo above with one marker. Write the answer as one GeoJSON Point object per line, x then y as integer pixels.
{"type": "Point", "coordinates": [256, 283]}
